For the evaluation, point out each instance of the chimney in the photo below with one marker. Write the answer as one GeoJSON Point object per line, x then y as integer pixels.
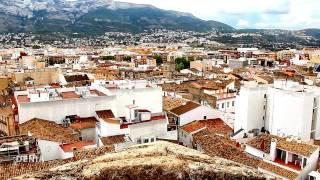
{"type": "Point", "coordinates": [273, 149]}
{"type": "Point", "coordinates": [262, 145]}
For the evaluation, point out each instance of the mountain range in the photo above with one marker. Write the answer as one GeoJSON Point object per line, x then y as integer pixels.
{"type": "Point", "coordinates": [94, 17]}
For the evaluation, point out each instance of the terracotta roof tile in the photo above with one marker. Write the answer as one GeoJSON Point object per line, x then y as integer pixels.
{"type": "Point", "coordinates": [74, 78]}
{"type": "Point", "coordinates": [69, 95]}
{"type": "Point", "coordinates": [277, 170]}
{"type": "Point", "coordinates": [282, 143]}
{"type": "Point", "coordinates": [107, 116]}
{"type": "Point", "coordinates": [221, 146]}
{"type": "Point", "coordinates": [84, 123]}
{"type": "Point", "coordinates": [110, 140]}
{"type": "Point", "coordinates": [23, 98]}
{"type": "Point", "coordinates": [48, 130]}
{"type": "Point", "coordinates": [78, 145]}
{"type": "Point", "coordinates": [212, 125]}
{"type": "Point", "coordinates": [170, 103]}
{"type": "Point", "coordinates": [184, 108]}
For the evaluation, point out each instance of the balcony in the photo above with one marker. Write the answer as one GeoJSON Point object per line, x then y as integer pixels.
{"type": "Point", "coordinates": [292, 165]}
{"type": "Point", "coordinates": [289, 160]}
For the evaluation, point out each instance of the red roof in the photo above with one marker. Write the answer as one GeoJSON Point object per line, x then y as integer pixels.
{"type": "Point", "coordinates": [78, 145]}
{"type": "Point", "coordinates": [216, 125]}
{"type": "Point", "coordinates": [23, 98]}
{"type": "Point", "coordinates": [105, 114]}
{"type": "Point", "coordinates": [69, 95]}
{"type": "Point", "coordinates": [84, 123]}
{"type": "Point", "coordinates": [184, 108]}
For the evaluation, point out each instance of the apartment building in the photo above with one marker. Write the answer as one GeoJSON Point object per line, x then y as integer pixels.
{"type": "Point", "coordinates": [40, 76]}
{"type": "Point", "coordinates": [285, 108]}
{"type": "Point", "coordinates": [284, 158]}
{"type": "Point", "coordinates": [56, 104]}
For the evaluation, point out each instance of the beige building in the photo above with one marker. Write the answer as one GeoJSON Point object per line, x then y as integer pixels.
{"type": "Point", "coordinates": [4, 82]}
{"type": "Point", "coordinates": [202, 66]}
{"type": "Point", "coordinates": [7, 127]}
{"type": "Point", "coordinates": [40, 76]}
{"type": "Point", "coordinates": [30, 61]}
{"type": "Point", "coordinates": [168, 69]}
{"type": "Point", "coordinates": [314, 54]}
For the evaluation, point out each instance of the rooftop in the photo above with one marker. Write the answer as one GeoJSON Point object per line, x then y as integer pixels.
{"type": "Point", "coordinates": [221, 146]}
{"type": "Point", "coordinates": [214, 125]}
{"type": "Point", "coordinates": [263, 142]}
{"type": "Point", "coordinates": [188, 106]}
{"type": "Point", "coordinates": [76, 145]}
{"type": "Point", "coordinates": [75, 78]}
{"type": "Point", "coordinates": [277, 170]}
{"type": "Point", "coordinates": [84, 123]}
{"type": "Point", "coordinates": [53, 94]}
{"type": "Point", "coordinates": [151, 161]}
{"type": "Point", "coordinates": [105, 114]}
{"type": "Point", "coordinates": [70, 95]}
{"type": "Point", "coordinates": [48, 130]}
{"type": "Point", "coordinates": [170, 103]}
{"type": "Point", "coordinates": [110, 140]}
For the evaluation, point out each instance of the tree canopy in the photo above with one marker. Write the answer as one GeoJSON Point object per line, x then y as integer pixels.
{"type": "Point", "coordinates": [182, 63]}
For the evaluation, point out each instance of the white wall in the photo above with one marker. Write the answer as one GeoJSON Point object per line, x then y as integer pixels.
{"type": "Point", "coordinates": [145, 98]}
{"type": "Point", "coordinates": [312, 162]}
{"type": "Point", "coordinates": [49, 150]}
{"type": "Point", "coordinates": [249, 109]}
{"type": "Point", "coordinates": [58, 110]}
{"type": "Point", "coordinates": [186, 138]}
{"type": "Point", "coordinates": [198, 114]}
{"type": "Point", "coordinates": [255, 152]}
{"type": "Point", "coordinates": [225, 102]}
{"type": "Point", "coordinates": [154, 128]}
{"type": "Point", "coordinates": [109, 129]}
{"type": "Point", "coordinates": [289, 113]}
{"type": "Point", "coordinates": [66, 155]}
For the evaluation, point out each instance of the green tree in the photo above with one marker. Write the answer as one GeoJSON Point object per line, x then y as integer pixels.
{"type": "Point", "coordinates": [158, 59]}
{"type": "Point", "coordinates": [182, 63]}
{"type": "Point", "coordinates": [108, 58]}
{"type": "Point", "coordinates": [127, 58]}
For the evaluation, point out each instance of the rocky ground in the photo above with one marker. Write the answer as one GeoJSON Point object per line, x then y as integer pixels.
{"type": "Point", "coordinates": [160, 160]}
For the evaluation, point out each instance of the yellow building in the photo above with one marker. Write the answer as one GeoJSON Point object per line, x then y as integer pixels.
{"type": "Point", "coordinates": [40, 76]}
{"type": "Point", "coordinates": [4, 82]}
{"type": "Point", "coordinates": [314, 54]}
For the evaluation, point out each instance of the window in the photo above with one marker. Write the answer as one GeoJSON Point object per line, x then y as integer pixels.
{"type": "Point", "coordinates": [304, 162]}
{"type": "Point", "coordinates": [222, 105]}
{"type": "Point", "coordinates": [152, 139]}
{"type": "Point", "coordinates": [233, 103]}
{"type": "Point", "coordinates": [178, 121]}
{"type": "Point", "coordinates": [145, 140]}
{"type": "Point", "coordinates": [204, 117]}
{"type": "Point", "coordinates": [133, 101]}
{"type": "Point", "coordinates": [228, 104]}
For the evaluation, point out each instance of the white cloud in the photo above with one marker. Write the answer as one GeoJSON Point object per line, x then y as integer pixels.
{"type": "Point", "coordinates": [268, 13]}
{"type": "Point", "coordinates": [242, 23]}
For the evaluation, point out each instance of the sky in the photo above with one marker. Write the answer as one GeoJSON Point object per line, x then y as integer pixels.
{"type": "Point", "coordinates": [262, 14]}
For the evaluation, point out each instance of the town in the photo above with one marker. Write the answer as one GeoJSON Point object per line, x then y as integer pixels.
{"type": "Point", "coordinates": [251, 106]}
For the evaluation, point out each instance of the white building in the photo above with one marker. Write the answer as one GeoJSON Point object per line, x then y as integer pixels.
{"type": "Point", "coordinates": [56, 104]}
{"type": "Point", "coordinates": [283, 109]}
{"type": "Point", "coordinates": [284, 158]}
{"type": "Point", "coordinates": [191, 111]}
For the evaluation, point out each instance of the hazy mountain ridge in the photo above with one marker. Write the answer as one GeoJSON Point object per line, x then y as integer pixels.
{"type": "Point", "coordinates": [95, 17]}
